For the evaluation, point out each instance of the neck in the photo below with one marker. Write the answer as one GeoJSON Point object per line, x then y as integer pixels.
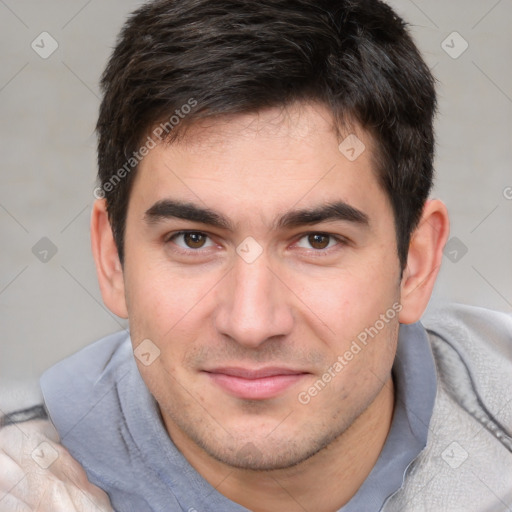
{"type": "Point", "coordinates": [324, 482]}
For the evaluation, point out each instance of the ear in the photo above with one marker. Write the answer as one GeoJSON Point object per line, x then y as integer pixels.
{"type": "Point", "coordinates": [423, 260]}
{"type": "Point", "coordinates": [106, 257]}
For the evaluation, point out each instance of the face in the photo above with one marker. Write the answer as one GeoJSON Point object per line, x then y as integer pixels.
{"type": "Point", "coordinates": [262, 264]}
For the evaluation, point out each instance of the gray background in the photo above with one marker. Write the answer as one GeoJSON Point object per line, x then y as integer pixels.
{"type": "Point", "coordinates": [49, 309]}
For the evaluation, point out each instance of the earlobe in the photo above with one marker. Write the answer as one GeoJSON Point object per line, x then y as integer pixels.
{"type": "Point", "coordinates": [108, 266]}
{"type": "Point", "coordinates": [424, 260]}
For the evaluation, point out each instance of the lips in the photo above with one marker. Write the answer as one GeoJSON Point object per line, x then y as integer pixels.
{"type": "Point", "coordinates": [255, 384]}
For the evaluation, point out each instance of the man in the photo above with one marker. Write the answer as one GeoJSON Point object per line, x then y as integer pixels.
{"type": "Point", "coordinates": [263, 222]}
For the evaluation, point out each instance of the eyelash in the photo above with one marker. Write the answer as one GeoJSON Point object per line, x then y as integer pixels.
{"type": "Point", "coordinates": [341, 241]}
{"type": "Point", "coordinates": [189, 251]}
{"type": "Point", "coordinates": [312, 254]}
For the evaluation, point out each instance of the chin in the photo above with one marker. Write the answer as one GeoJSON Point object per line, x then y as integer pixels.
{"type": "Point", "coordinates": [265, 454]}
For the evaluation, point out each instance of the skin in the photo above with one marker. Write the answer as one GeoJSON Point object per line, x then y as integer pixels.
{"type": "Point", "coordinates": [25, 486]}
{"type": "Point", "coordinates": [298, 305]}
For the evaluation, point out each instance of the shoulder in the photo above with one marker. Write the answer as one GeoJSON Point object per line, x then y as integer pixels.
{"type": "Point", "coordinates": [96, 362]}
{"type": "Point", "coordinates": [472, 347]}
{"type": "Point", "coordinates": [470, 326]}
{"type": "Point", "coordinates": [76, 384]}
{"type": "Point", "coordinates": [467, 463]}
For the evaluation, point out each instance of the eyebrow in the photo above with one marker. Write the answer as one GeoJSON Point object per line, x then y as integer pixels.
{"type": "Point", "coordinates": [338, 210]}
{"type": "Point", "coordinates": [334, 211]}
{"type": "Point", "coordinates": [169, 208]}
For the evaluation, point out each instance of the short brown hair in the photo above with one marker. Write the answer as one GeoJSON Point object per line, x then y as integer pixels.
{"type": "Point", "coordinates": [240, 56]}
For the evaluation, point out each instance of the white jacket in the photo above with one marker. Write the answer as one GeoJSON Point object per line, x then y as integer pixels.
{"type": "Point", "coordinates": [467, 463]}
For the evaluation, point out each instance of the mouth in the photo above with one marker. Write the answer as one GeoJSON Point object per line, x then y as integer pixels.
{"type": "Point", "coordinates": [255, 384]}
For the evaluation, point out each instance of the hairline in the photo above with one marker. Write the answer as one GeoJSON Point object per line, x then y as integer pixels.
{"type": "Point", "coordinates": [341, 127]}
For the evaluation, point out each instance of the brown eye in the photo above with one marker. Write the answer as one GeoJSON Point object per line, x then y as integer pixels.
{"type": "Point", "coordinates": [194, 240]}
{"type": "Point", "coordinates": [191, 240]}
{"type": "Point", "coordinates": [318, 240]}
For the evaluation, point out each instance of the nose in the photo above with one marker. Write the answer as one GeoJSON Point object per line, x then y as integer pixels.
{"type": "Point", "coordinates": [254, 304]}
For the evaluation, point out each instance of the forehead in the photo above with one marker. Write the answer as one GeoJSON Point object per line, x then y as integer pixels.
{"type": "Point", "coordinates": [270, 160]}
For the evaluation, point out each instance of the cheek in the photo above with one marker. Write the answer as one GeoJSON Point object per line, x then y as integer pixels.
{"type": "Point", "coordinates": [161, 297]}
{"type": "Point", "coordinates": [345, 302]}
{"type": "Point", "coordinates": [359, 366]}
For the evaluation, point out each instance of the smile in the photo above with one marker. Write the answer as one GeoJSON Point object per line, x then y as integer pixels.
{"type": "Point", "coordinates": [255, 384]}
